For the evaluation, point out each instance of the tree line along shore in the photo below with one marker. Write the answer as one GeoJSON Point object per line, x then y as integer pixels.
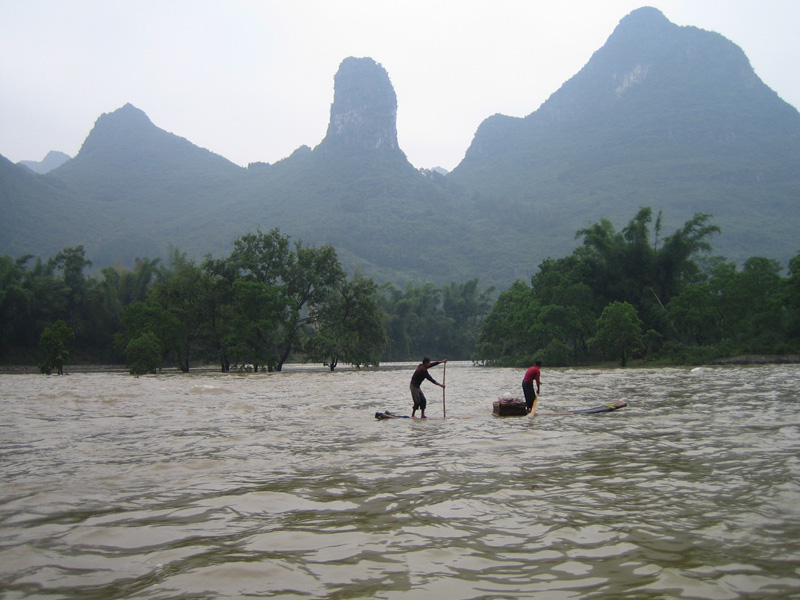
{"type": "Point", "coordinates": [629, 297]}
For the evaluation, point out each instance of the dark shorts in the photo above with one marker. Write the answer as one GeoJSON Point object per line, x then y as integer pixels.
{"type": "Point", "coordinates": [420, 402]}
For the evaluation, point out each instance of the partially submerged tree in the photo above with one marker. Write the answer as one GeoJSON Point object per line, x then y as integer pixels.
{"type": "Point", "coordinates": [348, 326]}
{"type": "Point", "coordinates": [144, 353]}
{"type": "Point", "coordinates": [54, 343]}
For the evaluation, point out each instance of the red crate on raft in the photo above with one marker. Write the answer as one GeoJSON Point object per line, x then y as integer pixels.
{"type": "Point", "coordinates": [509, 407]}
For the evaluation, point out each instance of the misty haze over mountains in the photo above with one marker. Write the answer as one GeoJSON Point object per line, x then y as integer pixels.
{"type": "Point", "coordinates": [663, 116]}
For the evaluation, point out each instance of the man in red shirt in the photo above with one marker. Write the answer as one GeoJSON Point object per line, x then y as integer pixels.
{"type": "Point", "coordinates": [420, 402]}
{"type": "Point", "coordinates": [532, 374]}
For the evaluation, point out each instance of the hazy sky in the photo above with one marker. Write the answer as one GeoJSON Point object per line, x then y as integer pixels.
{"type": "Point", "coordinates": [253, 80]}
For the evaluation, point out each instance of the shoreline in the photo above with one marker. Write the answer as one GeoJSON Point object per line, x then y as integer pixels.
{"type": "Point", "coordinates": [743, 360]}
{"type": "Point", "coordinates": [759, 359]}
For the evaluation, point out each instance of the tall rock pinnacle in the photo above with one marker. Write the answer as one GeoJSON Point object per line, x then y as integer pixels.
{"type": "Point", "coordinates": [364, 109]}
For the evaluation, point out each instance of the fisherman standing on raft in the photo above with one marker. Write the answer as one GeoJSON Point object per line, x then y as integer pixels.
{"type": "Point", "coordinates": [532, 374]}
{"type": "Point", "coordinates": [420, 402]}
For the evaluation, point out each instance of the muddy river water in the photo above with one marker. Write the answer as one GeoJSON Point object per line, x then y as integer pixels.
{"type": "Point", "coordinates": [284, 485]}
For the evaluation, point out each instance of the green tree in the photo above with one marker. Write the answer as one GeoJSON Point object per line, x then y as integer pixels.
{"type": "Point", "coordinates": [397, 312]}
{"type": "Point", "coordinates": [675, 262]}
{"type": "Point", "coordinates": [144, 354]}
{"type": "Point", "coordinates": [71, 262]}
{"type": "Point", "coordinates": [215, 310]}
{"type": "Point", "coordinates": [310, 273]}
{"type": "Point", "coordinates": [257, 309]}
{"type": "Point", "coordinates": [750, 304]}
{"type": "Point", "coordinates": [625, 267]}
{"type": "Point", "coordinates": [791, 293]}
{"type": "Point", "coordinates": [555, 318]}
{"type": "Point", "coordinates": [696, 315]}
{"type": "Point", "coordinates": [619, 331]}
{"type": "Point", "coordinates": [765, 326]}
{"type": "Point", "coordinates": [132, 286]}
{"type": "Point", "coordinates": [551, 320]}
{"type": "Point", "coordinates": [54, 343]}
{"type": "Point", "coordinates": [506, 337]}
{"type": "Point", "coordinates": [180, 294]}
{"type": "Point", "coordinates": [140, 318]}
{"type": "Point", "coordinates": [568, 311]}
{"type": "Point", "coordinates": [465, 307]}
{"type": "Point", "coordinates": [348, 326]}
{"type": "Point", "coordinates": [262, 257]}
{"type": "Point", "coordinates": [16, 301]}
{"type": "Point", "coordinates": [415, 322]}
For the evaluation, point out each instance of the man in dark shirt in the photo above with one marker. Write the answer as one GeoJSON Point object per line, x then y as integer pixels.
{"type": "Point", "coordinates": [420, 402]}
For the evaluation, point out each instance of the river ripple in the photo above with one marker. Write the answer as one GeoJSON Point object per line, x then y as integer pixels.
{"type": "Point", "coordinates": [284, 485]}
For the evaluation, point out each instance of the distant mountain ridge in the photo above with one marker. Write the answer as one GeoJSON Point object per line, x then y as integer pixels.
{"type": "Point", "coordinates": [124, 152]}
{"type": "Point", "coordinates": [41, 217]}
{"type": "Point", "coordinates": [663, 116]}
{"type": "Point", "coordinates": [53, 160]}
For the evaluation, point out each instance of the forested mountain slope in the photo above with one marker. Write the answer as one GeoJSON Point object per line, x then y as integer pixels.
{"type": "Point", "coordinates": [663, 116]}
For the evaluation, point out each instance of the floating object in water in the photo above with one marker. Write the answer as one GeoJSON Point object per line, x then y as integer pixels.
{"type": "Point", "coordinates": [516, 407]}
{"type": "Point", "coordinates": [388, 415]}
{"type": "Point", "coordinates": [611, 406]}
{"type": "Point", "coordinates": [509, 407]}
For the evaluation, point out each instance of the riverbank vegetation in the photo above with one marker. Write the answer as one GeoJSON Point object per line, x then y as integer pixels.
{"type": "Point", "coordinates": [621, 296]}
{"type": "Point", "coordinates": [633, 294]}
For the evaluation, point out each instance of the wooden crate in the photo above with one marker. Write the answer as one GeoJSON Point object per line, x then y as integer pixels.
{"type": "Point", "coordinates": [509, 407]}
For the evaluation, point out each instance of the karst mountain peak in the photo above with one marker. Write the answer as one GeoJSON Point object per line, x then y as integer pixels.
{"type": "Point", "coordinates": [364, 108]}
